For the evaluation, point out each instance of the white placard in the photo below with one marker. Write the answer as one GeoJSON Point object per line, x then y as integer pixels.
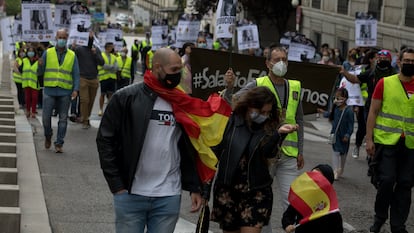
{"type": "Point", "coordinates": [226, 18]}
{"type": "Point", "coordinates": [37, 22]}
{"type": "Point", "coordinates": [187, 31]}
{"type": "Point", "coordinates": [248, 37]}
{"type": "Point", "coordinates": [62, 16]}
{"type": "Point", "coordinates": [79, 29]}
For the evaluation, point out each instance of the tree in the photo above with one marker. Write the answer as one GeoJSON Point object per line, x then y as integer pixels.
{"type": "Point", "coordinates": [13, 7]}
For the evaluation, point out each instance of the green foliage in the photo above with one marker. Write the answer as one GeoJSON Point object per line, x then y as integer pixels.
{"type": "Point", "coordinates": [13, 7]}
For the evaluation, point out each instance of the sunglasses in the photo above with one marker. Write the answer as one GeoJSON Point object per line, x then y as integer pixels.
{"type": "Point", "coordinates": [385, 53]}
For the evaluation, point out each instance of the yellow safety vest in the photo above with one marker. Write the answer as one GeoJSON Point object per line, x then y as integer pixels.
{"type": "Point", "coordinates": [396, 115]}
{"type": "Point", "coordinates": [290, 144]}
{"type": "Point", "coordinates": [135, 47]}
{"type": "Point", "coordinates": [17, 78]}
{"type": "Point", "coordinates": [145, 44]}
{"type": "Point", "coordinates": [150, 55]}
{"type": "Point", "coordinates": [59, 75]}
{"type": "Point", "coordinates": [125, 67]}
{"type": "Point", "coordinates": [106, 74]}
{"type": "Point", "coordinates": [29, 74]}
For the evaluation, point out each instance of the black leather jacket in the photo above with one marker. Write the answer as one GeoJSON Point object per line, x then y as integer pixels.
{"type": "Point", "coordinates": [239, 139]}
{"type": "Point", "coordinates": [121, 137]}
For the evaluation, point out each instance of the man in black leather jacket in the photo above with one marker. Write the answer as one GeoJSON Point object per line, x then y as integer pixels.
{"type": "Point", "coordinates": [145, 155]}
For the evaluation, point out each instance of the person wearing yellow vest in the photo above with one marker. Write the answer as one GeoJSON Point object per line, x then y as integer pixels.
{"type": "Point", "coordinates": [148, 62]}
{"type": "Point", "coordinates": [144, 47]}
{"type": "Point", "coordinates": [107, 75]}
{"type": "Point", "coordinates": [287, 93]}
{"type": "Point", "coordinates": [390, 143]}
{"type": "Point", "coordinates": [125, 69]}
{"type": "Point", "coordinates": [30, 81]}
{"type": "Point", "coordinates": [60, 69]}
{"type": "Point", "coordinates": [17, 76]}
{"type": "Point", "coordinates": [135, 57]}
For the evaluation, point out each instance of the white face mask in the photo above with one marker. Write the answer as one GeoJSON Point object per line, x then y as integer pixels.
{"type": "Point", "coordinates": [257, 118]}
{"type": "Point", "coordinates": [279, 69]}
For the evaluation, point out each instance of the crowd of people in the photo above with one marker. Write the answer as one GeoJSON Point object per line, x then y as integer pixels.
{"type": "Point", "coordinates": [260, 132]}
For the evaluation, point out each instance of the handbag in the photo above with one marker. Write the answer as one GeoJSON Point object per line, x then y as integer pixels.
{"type": "Point", "coordinates": [332, 136]}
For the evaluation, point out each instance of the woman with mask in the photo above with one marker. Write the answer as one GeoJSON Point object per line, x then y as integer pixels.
{"type": "Point", "coordinates": [30, 81]}
{"type": "Point", "coordinates": [342, 119]}
{"type": "Point", "coordinates": [17, 75]}
{"type": "Point", "coordinates": [242, 187]}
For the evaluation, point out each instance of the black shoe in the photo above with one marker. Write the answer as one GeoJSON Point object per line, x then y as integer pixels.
{"type": "Point", "coordinates": [72, 118]}
{"type": "Point", "coordinates": [376, 227]}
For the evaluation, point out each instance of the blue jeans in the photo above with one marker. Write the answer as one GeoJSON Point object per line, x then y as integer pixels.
{"type": "Point", "coordinates": [62, 104]}
{"type": "Point", "coordinates": [135, 212]}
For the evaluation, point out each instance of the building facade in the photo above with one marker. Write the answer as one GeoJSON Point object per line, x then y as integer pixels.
{"type": "Point", "coordinates": [333, 22]}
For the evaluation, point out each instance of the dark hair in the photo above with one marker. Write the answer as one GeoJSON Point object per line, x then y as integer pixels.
{"type": "Point", "coordinates": [257, 97]}
{"type": "Point", "coordinates": [368, 56]}
{"type": "Point", "coordinates": [344, 93]}
{"type": "Point", "coordinates": [406, 50]}
{"type": "Point", "coordinates": [185, 45]}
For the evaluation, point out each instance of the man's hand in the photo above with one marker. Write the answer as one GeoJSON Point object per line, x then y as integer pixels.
{"type": "Point", "coordinates": [370, 148]}
{"type": "Point", "coordinates": [40, 62]}
{"type": "Point", "coordinates": [196, 202]}
{"type": "Point", "coordinates": [121, 191]}
{"type": "Point", "coordinates": [300, 161]}
{"type": "Point", "coordinates": [74, 95]}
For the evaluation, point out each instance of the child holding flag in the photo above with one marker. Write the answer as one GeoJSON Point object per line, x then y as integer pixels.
{"type": "Point", "coordinates": [313, 203]}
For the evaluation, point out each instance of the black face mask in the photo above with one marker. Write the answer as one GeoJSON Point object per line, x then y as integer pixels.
{"type": "Point", "coordinates": [171, 80]}
{"type": "Point", "coordinates": [384, 64]}
{"type": "Point", "coordinates": [407, 70]}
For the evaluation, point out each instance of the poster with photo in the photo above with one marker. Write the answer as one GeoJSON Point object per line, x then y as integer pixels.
{"type": "Point", "coordinates": [114, 35]}
{"type": "Point", "coordinates": [7, 34]}
{"type": "Point", "coordinates": [365, 29]}
{"type": "Point", "coordinates": [37, 23]}
{"type": "Point", "coordinates": [248, 37]}
{"type": "Point", "coordinates": [62, 16]}
{"type": "Point", "coordinates": [354, 89]}
{"type": "Point", "coordinates": [187, 29]}
{"type": "Point", "coordinates": [225, 18]}
{"type": "Point", "coordinates": [17, 30]}
{"type": "Point", "coordinates": [80, 26]}
{"type": "Point", "coordinates": [159, 34]}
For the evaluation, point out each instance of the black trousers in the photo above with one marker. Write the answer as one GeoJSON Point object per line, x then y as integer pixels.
{"type": "Point", "coordinates": [396, 179]}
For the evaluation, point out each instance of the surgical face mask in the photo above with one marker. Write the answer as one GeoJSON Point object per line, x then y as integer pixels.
{"type": "Point", "coordinates": [325, 58]}
{"type": "Point", "coordinates": [257, 118]}
{"type": "Point", "coordinates": [202, 45]}
{"type": "Point", "coordinates": [170, 81]}
{"type": "Point", "coordinates": [279, 69]}
{"type": "Point", "coordinates": [30, 54]}
{"type": "Point", "coordinates": [407, 69]}
{"type": "Point", "coordinates": [61, 43]}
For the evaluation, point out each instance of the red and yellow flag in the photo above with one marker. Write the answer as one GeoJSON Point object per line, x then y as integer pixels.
{"type": "Point", "coordinates": [203, 121]}
{"type": "Point", "coordinates": [313, 196]}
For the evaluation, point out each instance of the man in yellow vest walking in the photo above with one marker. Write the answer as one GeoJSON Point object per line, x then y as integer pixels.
{"type": "Point", "coordinates": [60, 68]}
{"type": "Point", "coordinates": [107, 75]}
{"type": "Point", "coordinates": [390, 143]}
{"type": "Point", "coordinates": [287, 93]}
{"type": "Point", "coordinates": [125, 69]}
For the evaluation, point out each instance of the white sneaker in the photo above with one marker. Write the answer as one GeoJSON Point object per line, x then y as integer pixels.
{"type": "Point", "coordinates": [355, 152]}
{"type": "Point", "coordinates": [100, 113]}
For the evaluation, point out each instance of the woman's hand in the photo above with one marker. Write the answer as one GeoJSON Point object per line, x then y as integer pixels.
{"type": "Point", "coordinates": [287, 128]}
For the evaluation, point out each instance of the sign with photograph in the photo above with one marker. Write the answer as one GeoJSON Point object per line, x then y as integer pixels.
{"type": "Point", "coordinates": [79, 29]}
{"type": "Point", "coordinates": [226, 18]}
{"type": "Point", "coordinates": [365, 29]}
{"type": "Point", "coordinates": [187, 29]}
{"type": "Point", "coordinates": [37, 23]}
{"type": "Point", "coordinates": [159, 34]}
{"type": "Point", "coordinates": [248, 37]}
{"type": "Point", "coordinates": [62, 16]}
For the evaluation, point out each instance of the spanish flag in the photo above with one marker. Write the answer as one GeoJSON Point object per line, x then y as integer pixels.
{"type": "Point", "coordinates": [313, 196]}
{"type": "Point", "coordinates": [203, 121]}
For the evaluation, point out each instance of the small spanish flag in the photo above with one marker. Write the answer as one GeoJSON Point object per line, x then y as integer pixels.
{"type": "Point", "coordinates": [203, 121]}
{"type": "Point", "coordinates": [313, 196]}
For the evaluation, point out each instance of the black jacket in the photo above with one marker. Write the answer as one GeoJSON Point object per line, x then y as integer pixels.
{"type": "Point", "coordinates": [237, 139]}
{"type": "Point", "coordinates": [121, 137]}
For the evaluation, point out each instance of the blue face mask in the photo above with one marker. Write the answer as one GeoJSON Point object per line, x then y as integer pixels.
{"type": "Point", "coordinates": [258, 118]}
{"type": "Point", "coordinates": [30, 54]}
{"type": "Point", "coordinates": [61, 43]}
{"type": "Point", "coordinates": [202, 45]}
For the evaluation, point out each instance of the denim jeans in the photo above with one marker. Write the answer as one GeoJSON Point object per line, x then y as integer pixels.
{"type": "Point", "coordinates": [62, 104]}
{"type": "Point", "coordinates": [135, 212]}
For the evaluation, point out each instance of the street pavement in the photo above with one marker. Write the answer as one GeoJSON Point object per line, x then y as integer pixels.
{"type": "Point", "coordinates": [71, 195]}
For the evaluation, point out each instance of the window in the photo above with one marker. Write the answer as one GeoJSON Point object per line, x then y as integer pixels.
{"type": "Point", "coordinates": [343, 7]}
{"type": "Point", "coordinates": [316, 4]}
{"type": "Point", "coordinates": [316, 37]}
{"type": "Point", "coordinates": [374, 8]}
{"type": "Point", "coordinates": [409, 14]}
{"type": "Point", "coordinates": [343, 46]}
